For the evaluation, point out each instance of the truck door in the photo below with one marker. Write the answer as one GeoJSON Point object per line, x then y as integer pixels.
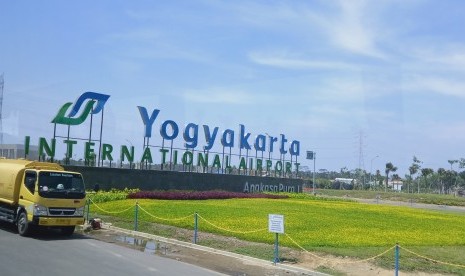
{"type": "Point", "coordinates": [30, 178]}
{"type": "Point", "coordinates": [27, 191]}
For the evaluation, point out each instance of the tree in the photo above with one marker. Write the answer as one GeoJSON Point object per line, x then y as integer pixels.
{"type": "Point", "coordinates": [414, 169]}
{"type": "Point", "coordinates": [425, 172]}
{"type": "Point", "coordinates": [450, 180]}
{"type": "Point", "coordinates": [345, 173]}
{"type": "Point", "coordinates": [389, 168]}
{"type": "Point", "coordinates": [452, 162]}
{"type": "Point", "coordinates": [378, 179]}
{"type": "Point", "coordinates": [441, 176]}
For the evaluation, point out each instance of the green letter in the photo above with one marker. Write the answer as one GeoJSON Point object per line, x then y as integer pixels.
{"type": "Point", "coordinates": [125, 153]}
{"type": "Point", "coordinates": [242, 165]}
{"type": "Point", "coordinates": [201, 160]}
{"type": "Point", "coordinates": [185, 156]}
{"type": "Point", "coordinates": [27, 141]}
{"type": "Point", "coordinates": [147, 156]}
{"type": "Point", "coordinates": [163, 155]}
{"type": "Point", "coordinates": [269, 164]}
{"type": "Point", "coordinates": [69, 147]}
{"type": "Point", "coordinates": [297, 167]}
{"type": "Point", "coordinates": [288, 167]}
{"type": "Point", "coordinates": [259, 164]}
{"type": "Point", "coordinates": [89, 151]}
{"type": "Point", "coordinates": [44, 146]}
{"type": "Point", "coordinates": [278, 167]}
{"type": "Point", "coordinates": [106, 152]}
{"type": "Point", "coordinates": [216, 162]}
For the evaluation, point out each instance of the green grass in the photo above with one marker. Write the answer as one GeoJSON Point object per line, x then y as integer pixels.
{"type": "Point", "coordinates": [335, 227]}
{"type": "Point", "coordinates": [330, 271]}
{"type": "Point", "coordinates": [437, 199]}
{"type": "Point", "coordinates": [312, 223]}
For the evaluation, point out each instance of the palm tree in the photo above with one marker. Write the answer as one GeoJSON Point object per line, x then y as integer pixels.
{"type": "Point", "coordinates": [425, 172]}
{"type": "Point", "coordinates": [452, 162]}
{"type": "Point", "coordinates": [413, 170]}
{"type": "Point", "coordinates": [441, 175]}
{"type": "Point", "coordinates": [389, 168]}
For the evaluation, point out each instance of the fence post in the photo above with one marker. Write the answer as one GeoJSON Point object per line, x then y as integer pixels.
{"type": "Point", "coordinates": [136, 211]}
{"type": "Point", "coordinates": [397, 259]}
{"type": "Point", "coordinates": [196, 225]}
{"type": "Point", "coordinates": [276, 249]}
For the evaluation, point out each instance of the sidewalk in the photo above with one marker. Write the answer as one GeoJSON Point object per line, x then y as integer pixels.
{"type": "Point", "coordinates": [218, 260]}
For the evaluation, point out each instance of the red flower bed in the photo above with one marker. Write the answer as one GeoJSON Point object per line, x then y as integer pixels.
{"type": "Point", "coordinates": [195, 195]}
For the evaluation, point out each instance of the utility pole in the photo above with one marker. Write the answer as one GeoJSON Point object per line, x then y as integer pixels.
{"type": "Point", "coordinates": [361, 163]}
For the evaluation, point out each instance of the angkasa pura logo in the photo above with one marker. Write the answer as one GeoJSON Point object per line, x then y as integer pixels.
{"type": "Point", "coordinates": [71, 118]}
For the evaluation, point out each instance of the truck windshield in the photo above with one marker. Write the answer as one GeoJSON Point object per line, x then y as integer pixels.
{"type": "Point", "coordinates": [61, 185]}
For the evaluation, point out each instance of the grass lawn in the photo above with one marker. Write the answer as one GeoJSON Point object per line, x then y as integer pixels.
{"type": "Point", "coordinates": [438, 199]}
{"type": "Point", "coordinates": [318, 225]}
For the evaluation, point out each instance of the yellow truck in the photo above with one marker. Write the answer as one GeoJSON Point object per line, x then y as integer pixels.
{"type": "Point", "coordinates": [40, 194]}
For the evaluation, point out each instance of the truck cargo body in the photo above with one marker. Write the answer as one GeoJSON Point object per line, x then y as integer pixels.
{"type": "Point", "coordinates": [34, 194]}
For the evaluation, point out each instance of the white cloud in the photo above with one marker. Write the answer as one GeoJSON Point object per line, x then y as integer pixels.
{"type": "Point", "coordinates": [137, 35]}
{"type": "Point", "coordinates": [445, 86]}
{"type": "Point", "coordinates": [265, 15]}
{"type": "Point", "coordinates": [349, 25]}
{"type": "Point", "coordinates": [434, 66]}
{"type": "Point", "coordinates": [448, 132]}
{"type": "Point", "coordinates": [350, 30]}
{"type": "Point", "coordinates": [444, 57]}
{"type": "Point", "coordinates": [150, 43]}
{"type": "Point", "coordinates": [11, 124]}
{"type": "Point", "coordinates": [283, 60]}
{"type": "Point", "coordinates": [345, 89]}
{"type": "Point", "coordinates": [219, 96]}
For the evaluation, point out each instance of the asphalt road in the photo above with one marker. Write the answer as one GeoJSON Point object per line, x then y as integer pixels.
{"type": "Point", "coordinates": [48, 253]}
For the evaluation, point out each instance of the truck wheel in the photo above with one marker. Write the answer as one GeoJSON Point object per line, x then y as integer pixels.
{"type": "Point", "coordinates": [23, 224]}
{"type": "Point", "coordinates": [67, 230]}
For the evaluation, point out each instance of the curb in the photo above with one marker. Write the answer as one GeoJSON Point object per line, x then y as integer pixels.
{"type": "Point", "coordinates": [251, 260]}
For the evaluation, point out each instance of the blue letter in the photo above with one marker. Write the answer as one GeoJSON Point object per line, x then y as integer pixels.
{"type": "Point", "coordinates": [148, 122]}
{"type": "Point", "coordinates": [174, 128]}
{"type": "Point", "coordinates": [283, 141]}
{"type": "Point", "coordinates": [224, 140]}
{"type": "Point", "coordinates": [295, 148]}
{"type": "Point", "coordinates": [209, 138]}
{"type": "Point", "coordinates": [244, 143]}
{"type": "Point", "coordinates": [191, 139]}
{"type": "Point", "coordinates": [272, 140]}
{"type": "Point", "coordinates": [260, 143]}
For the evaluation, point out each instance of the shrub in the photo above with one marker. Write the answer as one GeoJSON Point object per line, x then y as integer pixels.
{"type": "Point", "coordinates": [112, 195]}
{"type": "Point", "coordinates": [198, 195]}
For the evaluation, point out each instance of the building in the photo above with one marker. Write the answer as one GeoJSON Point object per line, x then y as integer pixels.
{"type": "Point", "coordinates": [396, 185]}
{"type": "Point", "coordinates": [345, 180]}
{"type": "Point", "coordinates": [15, 151]}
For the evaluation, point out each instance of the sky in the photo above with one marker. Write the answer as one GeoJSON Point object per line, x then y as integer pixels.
{"type": "Point", "coordinates": [360, 83]}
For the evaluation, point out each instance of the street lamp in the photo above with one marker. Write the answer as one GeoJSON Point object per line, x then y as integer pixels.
{"type": "Point", "coordinates": [371, 166]}
{"type": "Point", "coordinates": [314, 161]}
{"type": "Point", "coordinates": [311, 155]}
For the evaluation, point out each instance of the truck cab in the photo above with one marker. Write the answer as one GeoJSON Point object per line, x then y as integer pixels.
{"type": "Point", "coordinates": [41, 194]}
